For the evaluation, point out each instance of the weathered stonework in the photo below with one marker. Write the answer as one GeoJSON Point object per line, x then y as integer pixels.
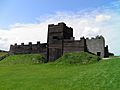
{"type": "Point", "coordinates": [28, 49]}
{"type": "Point", "coordinates": [97, 46]}
{"type": "Point", "coordinates": [60, 40]}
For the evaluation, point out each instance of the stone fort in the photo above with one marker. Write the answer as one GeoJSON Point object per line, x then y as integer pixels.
{"type": "Point", "coordinates": [60, 40]}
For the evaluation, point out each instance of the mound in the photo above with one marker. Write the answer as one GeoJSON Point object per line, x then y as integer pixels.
{"type": "Point", "coordinates": [23, 59]}
{"type": "Point", "coordinates": [78, 58]}
{"type": "Point", "coordinates": [3, 55]}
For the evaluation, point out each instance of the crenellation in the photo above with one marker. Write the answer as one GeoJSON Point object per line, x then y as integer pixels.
{"type": "Point", "coordinates": [15, 44]}
{"type": "Point", "coordinates": [11, 45]}
{"type": "Point", "coordinates": [95, 38]}
{"type": "Point", "coordinates": [92, 38]}
{"type": "Point", "coordinates": [81, 38]}
{"type": "Point", "coordinates": [22, 44]}
{"type": "Point", "coordinates": [61, 24]}
{"type": "Point", "coordinates": [50, 25]}
{"type": "Point", "coordinates": [30, 43]}
{"type": "Point", "coordinates": [38, 42]}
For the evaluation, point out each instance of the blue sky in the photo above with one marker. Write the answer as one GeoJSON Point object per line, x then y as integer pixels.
{"type": "Point", "coordinates": [27, 20]}
{"type": "Point", "coordinates": [26, 11]}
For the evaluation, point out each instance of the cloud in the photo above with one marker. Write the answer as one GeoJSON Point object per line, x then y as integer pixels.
{"type": "Point", "coordinates": [85, 23]}
{"type": "Point", "coordinates": [19, 33]}
{"type": "Point", "coordinates": [102, 18]}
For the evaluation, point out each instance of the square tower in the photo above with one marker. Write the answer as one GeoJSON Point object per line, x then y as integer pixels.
{"type": "Point", "coordinates": [56, 36]}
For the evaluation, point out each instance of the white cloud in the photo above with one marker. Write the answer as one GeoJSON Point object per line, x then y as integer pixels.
{"type": "Point", "coordinates": [102, 18]}
{"type": "Point", "coordinates": [91, 31]}
{"type": "Point", "coordinates": [19, 33]}
{"type": "Point", "coordinates": [88, 24]}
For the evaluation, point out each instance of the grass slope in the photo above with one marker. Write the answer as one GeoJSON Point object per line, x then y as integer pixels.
{"type": "Point", "coordinates": [104, 75]}
{"type": "Point", "coordinates": [3, 54]}
{"type": "Point", "coordinates": [23, 59]}
{"type": "Point", "coordinates": [78, 58]}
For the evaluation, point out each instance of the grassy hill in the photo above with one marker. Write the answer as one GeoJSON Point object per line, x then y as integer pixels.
{"type": "Point", "coordinates": [78, 58]}
{"type": "Point", "coordinates": [3, 54]}
{"type": "Point", "coordinates": [23, 59]}
{"type": "Point", "coordinates": [103, 75]}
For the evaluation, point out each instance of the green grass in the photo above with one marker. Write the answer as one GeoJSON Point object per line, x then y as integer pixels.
{"type": "Point", "coordinates": [23, 59]}
{"type": "Point", "coordinates": [103, 75]}
{"type": "Point", "coordinates": [3, 54]}
{"type": "Point", "coordinates": [78, 58]}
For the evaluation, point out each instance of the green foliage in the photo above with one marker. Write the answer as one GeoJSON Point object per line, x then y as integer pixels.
{"type": "Point", "coordinates": [78, 58]}
{"type": "Point", "coordinates": [23, 59]}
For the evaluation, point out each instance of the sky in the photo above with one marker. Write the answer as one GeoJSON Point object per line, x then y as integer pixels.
{"type": "Point", "coordinates": [26, 11]}
{"type": "Point", "coordinates": [27, 20]}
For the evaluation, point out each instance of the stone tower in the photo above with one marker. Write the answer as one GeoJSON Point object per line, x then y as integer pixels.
{"type": "Point", "coordinates": [55, 41]}
{"type": "Point", "coordinates": [97, 46]}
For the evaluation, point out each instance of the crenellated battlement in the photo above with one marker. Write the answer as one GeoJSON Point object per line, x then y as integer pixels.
{"type": "Point", "coordinates": [30, 44]}
{"type": "Point", "coordinates": [28, 48]}
{"type": "Point", "coordinates": [59, 24]}
{"type": "Point", "coordinates": [96, 38]}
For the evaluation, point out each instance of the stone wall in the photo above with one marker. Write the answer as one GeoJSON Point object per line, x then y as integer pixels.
{"type": "Point", "coordinates": [28, 49]}
{"type": "Point", "coordinates": [96, 45]}
{"type": "Point", "coordinates": [75, 45]}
